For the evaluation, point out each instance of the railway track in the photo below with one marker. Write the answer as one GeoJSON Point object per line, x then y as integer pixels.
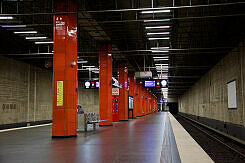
{"type": "Point", "coordinates": [221, 149]}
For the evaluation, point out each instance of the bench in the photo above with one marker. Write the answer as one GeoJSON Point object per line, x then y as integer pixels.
{"type": "Point", "coordinates": [92, 118]}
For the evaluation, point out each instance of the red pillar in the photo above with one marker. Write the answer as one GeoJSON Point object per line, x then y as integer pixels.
{"type": "Point", "coordinates": [123, 92]}
{"type": "Point", "coordinates": [105, 91]}
{"type": "Point", "coordinates": [137, 102]}
{"type": "Point", "coordinates": [132, 92]}
{"type": "Point", "coordinates": [65, 70]}
{"type": "Point", "coordinates": [151, 104]}
{"type": "Point", "coordinates": [156, 106]}
{"type": "Point", "coordinates": [146, 102]}
{"type": "Point", "coordinates": [141, 101]}
{"type": "Point", "coordinates": [145, 96]}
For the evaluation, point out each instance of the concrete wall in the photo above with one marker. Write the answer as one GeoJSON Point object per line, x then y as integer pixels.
{"type": "Point", "coordinates": [25, 92]}
{"type": "Point", "coordinates": [170, 100]}
{"type": "Point", "coordinates": [208, 97]}
{"type": "Point", "coordinates": [88, 98]}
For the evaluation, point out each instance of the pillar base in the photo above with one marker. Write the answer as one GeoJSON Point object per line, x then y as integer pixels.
{"type": "Point", "coordinates": [105, 125]}
{"type": "Point", "coordinates": [62, 137]}
{"type": "Point", "coordinates": [140, 116]}
{"type": "Point", "coordinates": [123, 120]}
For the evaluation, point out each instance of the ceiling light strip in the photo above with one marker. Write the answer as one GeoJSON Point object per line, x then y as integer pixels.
{"type": "Point", "coordinates": [158, 38]}
{"type": "Point", "coordinates": [155, 11]}
{"type": "Point", "coordinates": [44, 42]}
{"type": "Point", "coordinates": [158, 33]}
{"type": "Point", "coordinates": [25, 32]}
{"type": "Point", "coordinates": [13, 26]}
{"type": "Point", "coordinates": [157, 27]}
{"type": "Point", "coordinates": [35, 38]}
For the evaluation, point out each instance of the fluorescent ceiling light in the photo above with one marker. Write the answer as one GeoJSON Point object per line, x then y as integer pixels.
{"type": "Point", "coordinates": [14, 26]}
{"type": "Point", "coordinates": [6, 17]}
{"type": "Point", "coordinates": [88, 66]}
{"type": "Point", "coordinates": [35, 38]}
{"type": "Point", "coordinates": [159, 20]}
{"type": "Point", "coordinates": [164, 64]}
{"type": "Point", "coordinates": [158, 27]}
{"type": "Point", "coordinates": [163, 71]}
{"type": "Point", "coordinates": [159, 33]}
{"type": "Point", "coordinates": [82, 61]}
{"type": "Point", "coordinates": [155, 11]}
{"type": "Point", "coordinates": [92, 68]}
{"type": "Point", "coordinates": [158, 38]}
{"type": "Point", "coordinates": [25, 32]}
{"type": "Point", "coordinates": [158, 48]}
{"type": "Point", "coordinates": [44, 42]}
{"type": "Point", "coordinates": [161, 68]}
{"type": "Point", "coordinates": [166, 59]}
{"type": "Point", "coordinates": [164, 89]}
{"type": "Point", "coordinates": [161, 57]}
{"type": "Point", "coordinates": [42, 53]}
{"type": "Point", "coordinates": [159, 51]}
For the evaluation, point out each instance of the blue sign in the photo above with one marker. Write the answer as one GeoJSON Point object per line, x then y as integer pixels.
{"type": "Point", "coordinates": [158, 83]}
{"type": "Point", "coordinates": [150, 83]}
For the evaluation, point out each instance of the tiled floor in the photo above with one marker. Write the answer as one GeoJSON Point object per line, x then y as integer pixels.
{"type": "Point", "coordinates": [147, 139]}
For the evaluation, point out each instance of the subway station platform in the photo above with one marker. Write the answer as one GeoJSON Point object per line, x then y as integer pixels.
{"type": "Point", "coordinates": [151, 139]}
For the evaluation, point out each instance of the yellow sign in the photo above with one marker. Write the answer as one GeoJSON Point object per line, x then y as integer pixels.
{"type": "Point", "coordinates": [59, 93]}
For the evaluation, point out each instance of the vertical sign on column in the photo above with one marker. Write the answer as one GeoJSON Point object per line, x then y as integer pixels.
{"type": "Point", "coordinates": [60, 92]}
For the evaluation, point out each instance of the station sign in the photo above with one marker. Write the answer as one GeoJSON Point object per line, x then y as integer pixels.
{"type": "Point", "coordinates": [91, 84]}
{"type": "Point", "coordinates": [156, 83]}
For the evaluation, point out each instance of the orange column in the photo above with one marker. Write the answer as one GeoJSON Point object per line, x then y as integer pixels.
{"type": "Point", "coordinates": [65, 70]}
{"type": "Point", "coordinates": [105, 90]}
{"type": "Point", "coordinates": [123, 92]}
{"type": "Point", "coordinates": [148, 103]}
{"type": "Point", "coordinates": [152, 103]}
{"type": "Point", "coordinates": [138, 97]}
{"type": "Point", "coordinates": [132, 92]}
{"type": "Point", "coordinates": [156, 106]}
{"type": "Point", "coordinates": [142, 100]}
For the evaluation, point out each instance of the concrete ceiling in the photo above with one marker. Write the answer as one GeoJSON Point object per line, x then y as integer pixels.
{"type": "Point", "coordinates": [201, 33]}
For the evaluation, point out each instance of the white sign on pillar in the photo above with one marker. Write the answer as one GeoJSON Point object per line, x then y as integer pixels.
{"type": "Point", "coordinates": [115, 91]}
